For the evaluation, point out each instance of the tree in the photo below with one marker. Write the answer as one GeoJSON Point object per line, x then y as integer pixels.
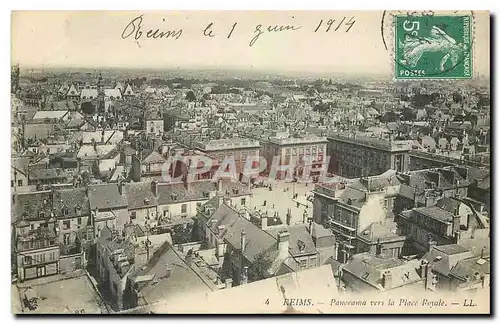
{"type": "Point", "coordinates": [182, 234]}
{"type": "Point", "coordinates": [258, 270]}
{"type": "Point", "coordinates": [190, 96]}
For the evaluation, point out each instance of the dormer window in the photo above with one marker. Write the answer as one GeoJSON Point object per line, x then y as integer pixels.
{"type": "Point", "coordinates": [146, 201]}
{"type": "Point", "coordinates": [65, 211]}
{"type": "Point", "coordinates": [206, 194]}
{"type": "Point", "coordinates": [41, 214]}
{"type": "Point", "coordinates": [174, 197]}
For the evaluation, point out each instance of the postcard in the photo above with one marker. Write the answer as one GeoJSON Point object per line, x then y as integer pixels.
{"type": "Point", "coordinates": [250, 162]}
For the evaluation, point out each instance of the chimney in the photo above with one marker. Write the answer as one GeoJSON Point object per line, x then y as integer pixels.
{"type": "Point", "coordinates": [219, 185]}
{"type": "Point", "coordinates": [185, 181]}
{"type": "Point", "coordinates": [228, 283]}
{"type": "Point", "coordinates": [455, 227]}
{"type": "Point", "coordinates": [283, 241]}
{"type": "Point", "coordinates": [310, 226]}
{"type": "Point", "coordinates": [387, 280]}
{"type": "Point", "coordinates": [244, 276]}
{"type": "Point", "coordinates": [431, 243]}
{"type": "Point", "coordinates": [424, 264]}
{"type": "Point", "coordinates": [243, 241]}
{"type": "Point", "coordinates": [120, 187]}
{"type": "Point", "coordinates": [263, 222]}
{"type": "Point", "coordinates": [154, 187]}
{"type": "Point", "coordinates": [189, 258]}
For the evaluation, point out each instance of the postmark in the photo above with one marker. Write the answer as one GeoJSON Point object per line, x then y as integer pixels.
{"type": "Point", "coordinates": [432, 46]}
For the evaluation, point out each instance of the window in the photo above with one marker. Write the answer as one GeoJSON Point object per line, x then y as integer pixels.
{"type": "Point", "coordinates": [198, 205]}
{"type": "Point", "coordinates": [133, 215]}
{"type": "Point", "coordinates": [51, 242]}
{"type": "Point", "coordinates": [27, 260]}
{"type": "Point", "coordinates": [184, 208]}
{"type": "Point", "coordinates": [66, 238]}
{"type": "Point", "coordinates": [302, 264]}
{"type": "Point", "coordinates": [12, 183]}
{"type": "Point", "coordinates": [312, 262]}
{"type": "Point", "coordinates": [243, 201]}
{"type": "Point", "coordinates": [79, 221]}
{"type": "Point", "coordinates": [66, 224]}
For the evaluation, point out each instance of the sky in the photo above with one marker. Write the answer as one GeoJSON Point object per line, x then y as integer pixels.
{"type": "Point", "coordinates": [94, 39]}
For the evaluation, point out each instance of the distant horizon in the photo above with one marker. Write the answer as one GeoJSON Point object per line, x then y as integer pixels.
{"type": "Point", "coordinates": [249, 70]}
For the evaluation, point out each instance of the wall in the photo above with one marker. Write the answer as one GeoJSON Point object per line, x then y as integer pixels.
{"type": "Point", "coordinates": [141, 214]}
{"type": "Point", "coordinates": [71, 262]}
{"type": "Point", "coordinates": [47, 257]}
{"type": "Point", "coordinates": [372, 211]}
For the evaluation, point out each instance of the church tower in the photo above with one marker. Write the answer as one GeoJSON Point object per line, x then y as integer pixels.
{"type": "Point", "coordinates": [101, 108]}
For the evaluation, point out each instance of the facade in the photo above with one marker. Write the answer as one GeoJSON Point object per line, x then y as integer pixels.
{"type": "Point", "coordinates": [357, 156]}
{"type": "Point", "coordinates": [295, 152]}
{"type": "Point", "coordinates": [237, 150]}
{"type": "Point", "coordinates": [35, 239]}
{"type": "Point", "coordinates": [448, 222]}
{"type": "Point", "coordinates": [115, 262]}
{"type": "Point", "coordinates": [351, 209]}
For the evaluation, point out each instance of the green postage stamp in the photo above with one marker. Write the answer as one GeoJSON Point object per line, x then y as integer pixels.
{"type": "Point", "coordinates": [433, 47]}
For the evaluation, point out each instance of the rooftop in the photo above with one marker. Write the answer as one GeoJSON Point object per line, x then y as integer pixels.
{"type": "Point", "coordinates": [66, 297]}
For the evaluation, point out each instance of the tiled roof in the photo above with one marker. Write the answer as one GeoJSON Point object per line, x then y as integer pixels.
{"type": "Point", "coordinates": [435, 213]}
{"type": "Point", "coordinates": [257, 240]}
{"type": "Point", "coordinates": [72, 199]}
{"type": "Point", "coordinates": [139, 195]}
{"type": "Point", "coordinates": [370, 269]}
{"type": "Point", "coordinates": [442, 258]}
{"type": "Point", "coordinates": [171, 277]}
{"type": "Point", "coordinates": [29, 206]}
{"type": "Point", "coordinates": [469, 267]}
{"type": "Point", "coordinates": [300, 242]}
{"type": "Point", "coordinates": [106, 196]}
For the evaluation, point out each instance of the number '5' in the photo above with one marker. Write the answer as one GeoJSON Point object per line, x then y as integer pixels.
{"type": "Point", "coordinates": [414, 25]}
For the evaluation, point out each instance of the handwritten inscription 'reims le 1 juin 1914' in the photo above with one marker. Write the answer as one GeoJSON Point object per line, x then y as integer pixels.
{"type": "Point", "coordinates": [136, 30]}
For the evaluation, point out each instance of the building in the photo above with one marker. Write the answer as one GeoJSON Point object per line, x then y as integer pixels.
{"type": "Point", "coordinates": [367, 273]}
{"type": "Point", "coordinates": [154, 124]}
{"type": "Point", "coordinates": [239, 244]}
{"type": "Point", "coordinates": [449, 221]}
{"type": "Point", "coordinates": [115, 262]}
{"type": "Point", "coordinates": [425, 160]}
{"type": "Point", "coordinates": [167, 276]}
{"type": "Point", "coordinates": [457, 268]}
{"type": "Point", "coordinates": [298, 152]}
{"type": "Point", "coordinates": [359, 156]}
{"type": "Point", "coordinates": [423, 188]}
{"type": "Point", "coordinates": [71, 208]}
{"type": "Point", "coordinates": [109, 206]}
{"type": "Point", "coordinates": [235, 150]}
{"type": "Point", "coordinates": [351, 209]}
{"type": "Point", "coordinates": [35, 240]}
{"type": "Point", "coordinates": [178, 203]}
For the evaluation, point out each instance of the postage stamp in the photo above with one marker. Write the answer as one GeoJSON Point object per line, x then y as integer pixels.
{"type": "Point", "coordinates": [433, 47]}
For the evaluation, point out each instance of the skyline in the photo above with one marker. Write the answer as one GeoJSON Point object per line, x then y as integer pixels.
{"type": "Point", "coordinates": [77, 38]}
